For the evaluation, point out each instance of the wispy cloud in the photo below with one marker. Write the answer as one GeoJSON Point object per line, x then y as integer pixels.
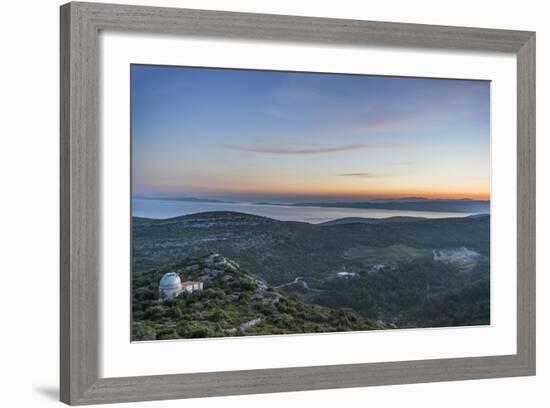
{"type": "Point", "coordinates": [301, 149]}
{"type": "Point", "coordinates": [359, 175]}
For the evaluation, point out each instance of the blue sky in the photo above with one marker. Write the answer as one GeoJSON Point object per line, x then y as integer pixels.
{"type": "Point", "coordinates": [240, 133]}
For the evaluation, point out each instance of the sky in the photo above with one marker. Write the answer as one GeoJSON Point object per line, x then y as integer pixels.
{"type": "Point", "coordinates": [249, 135]}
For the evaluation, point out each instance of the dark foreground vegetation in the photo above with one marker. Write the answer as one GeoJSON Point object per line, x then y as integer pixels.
{"type": "Point", "coordinates": [233, 303]}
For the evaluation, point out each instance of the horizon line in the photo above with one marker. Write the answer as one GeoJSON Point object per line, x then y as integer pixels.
{"type": "Point", "coordinates": [247, 196]}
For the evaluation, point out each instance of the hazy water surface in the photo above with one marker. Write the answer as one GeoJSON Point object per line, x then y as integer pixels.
{"type": "Point", "coordinates": [169, 208]}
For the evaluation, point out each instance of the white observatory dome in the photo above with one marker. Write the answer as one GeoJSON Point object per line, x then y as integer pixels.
{"type": "Point", "coordinates": [170, 280]}
{"type": "Point", "coordinates": [169, 286]}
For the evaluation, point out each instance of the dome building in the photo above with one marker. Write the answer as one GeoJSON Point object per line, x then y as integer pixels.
{"type": "Point", "coordinates": [170, 286]}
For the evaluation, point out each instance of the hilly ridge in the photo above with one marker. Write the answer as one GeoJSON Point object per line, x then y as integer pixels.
{"type": "Point", "coordinates": [463, 205]}
{"type": "Point", "coordinates": [405, 272]}
{"type": "Point", "coordinates": [281, 250]}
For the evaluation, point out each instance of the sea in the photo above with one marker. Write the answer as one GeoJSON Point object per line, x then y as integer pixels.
{"type": "Point", "coordinates": [156, 208]}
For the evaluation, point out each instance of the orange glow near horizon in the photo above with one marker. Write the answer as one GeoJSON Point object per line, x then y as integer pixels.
{"type": "Point", "coordinates": [475, 193]}
{"type": "Point", "coordinates": [366, 194]}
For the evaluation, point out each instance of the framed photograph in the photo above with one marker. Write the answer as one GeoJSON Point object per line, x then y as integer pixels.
{"type": "Point", "coordinates": [261, 203]}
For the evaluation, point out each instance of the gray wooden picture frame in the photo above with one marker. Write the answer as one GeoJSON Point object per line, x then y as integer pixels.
{"type": "Point", "coordinates": [80, 234]}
